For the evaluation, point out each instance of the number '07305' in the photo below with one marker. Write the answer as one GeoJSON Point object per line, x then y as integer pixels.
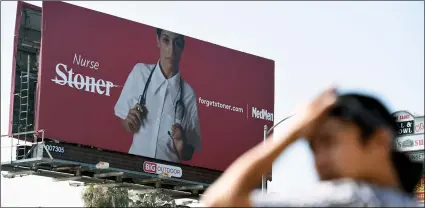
{"type": "Point", "coordinates": [54, 148]}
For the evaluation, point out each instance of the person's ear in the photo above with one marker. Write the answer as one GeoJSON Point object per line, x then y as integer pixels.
{"type": "Point", "coordinates": [157, 41]}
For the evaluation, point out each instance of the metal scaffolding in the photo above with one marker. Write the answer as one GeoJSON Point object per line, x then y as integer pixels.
{"type": "Point", "coordinates": [28, 50]}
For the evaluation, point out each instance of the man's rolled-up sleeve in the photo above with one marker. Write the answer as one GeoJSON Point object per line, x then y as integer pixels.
{"type": "Point", "coordinates": [123, 104]}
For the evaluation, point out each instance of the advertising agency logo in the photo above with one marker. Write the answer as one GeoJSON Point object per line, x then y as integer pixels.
{"type": "Point", "coordinates": [161, 169]}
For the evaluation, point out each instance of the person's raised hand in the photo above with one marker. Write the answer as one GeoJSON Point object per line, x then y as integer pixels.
{"type": "Point", "coordinates": [309, 116]}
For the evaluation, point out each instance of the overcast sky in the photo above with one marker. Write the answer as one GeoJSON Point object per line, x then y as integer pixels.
{"type": "Point", "coordinates": [373, 47]}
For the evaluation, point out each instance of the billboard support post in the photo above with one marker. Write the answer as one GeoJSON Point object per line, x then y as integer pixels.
{"type": "Point", "coordinates": [42, 135]}
{"type": "Point", "coordinates": [263, 177]}
{"type": "Point", "coordinates": [11, 149]}
{"type": "Point", "coordinates": [266, 133]}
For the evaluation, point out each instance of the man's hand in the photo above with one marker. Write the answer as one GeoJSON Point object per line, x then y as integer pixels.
{"type": "Point", "coordinates": [183, 149]}
{"type": "Point", "coordinates": [236, 183]}
{"type": "Point", "coordinates": [309, 116]}
{"type": "Point", "coordinates": [178, 138]}
{"type": "Point", "coordinates": [134, 119]}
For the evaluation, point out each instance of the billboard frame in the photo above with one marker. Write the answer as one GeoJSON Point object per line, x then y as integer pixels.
{"type": "Point", "coordinates": [48, 162]}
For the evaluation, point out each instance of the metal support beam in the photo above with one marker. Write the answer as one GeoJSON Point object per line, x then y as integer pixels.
{"type": "Point", "coordinates": [19, 173]}
{"type": "Point", "coordinates": [106, 184]}
{"type": "Point", "coordinates": [74, 178]}
{"type": "Point", "coordinates": [75, 184]}
{"type": "Point", "coordinates": [168, 191]}
{"type": "Point", "coordinates": [30, 160]}
{"type": "Point", "coordinates": [267, 131]}
{"type": "Point", "coordinates": [72, 167]}
{"type": "Point", "coordinates": [47, 151]}
{"type": "Point", "coordinates": [146, 191]}
{"type": "Point", "coordinates": [195, 187]}
{"type": "Point", "coordinates": [135, 185]}
{"type": "Point", "coordinates": [151, 180]}
{"type": "Point", "coordinates": [102, 175]}
{"type": "Point", "coordinates": [21, 133]}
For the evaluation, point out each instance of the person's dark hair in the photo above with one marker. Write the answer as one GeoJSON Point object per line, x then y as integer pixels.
{"type": "Point", "coordinates": [369, 114]}
{"type": "Point", "coordinates": [159, 31]}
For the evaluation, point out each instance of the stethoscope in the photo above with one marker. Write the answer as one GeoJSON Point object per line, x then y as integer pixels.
{"type": "Point", "coordinates": [142, 100]}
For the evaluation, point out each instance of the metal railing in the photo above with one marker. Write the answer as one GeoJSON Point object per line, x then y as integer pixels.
{"type": "Point", "coordinates": [14, 143]}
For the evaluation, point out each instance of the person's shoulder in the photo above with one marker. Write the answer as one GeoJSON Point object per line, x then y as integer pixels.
{"type": "Point", "coordinates": [341, 190]}
{"type": "Point", "coordinates": [143, 69]}
{"type": "Point", "coordinates": [393, 197]}
{"type": "Point", "coordinates": [371, 194]}
{"type": "Point", "coordinates": [329, 193]}
{"type": "Point", "coordinates": [189, 92]}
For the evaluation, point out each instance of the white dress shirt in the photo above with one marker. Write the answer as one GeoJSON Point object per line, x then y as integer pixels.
{"type": "Point", "coordinates": [336, 193]}
{"type": "Point", "coordinates": [153, 140]}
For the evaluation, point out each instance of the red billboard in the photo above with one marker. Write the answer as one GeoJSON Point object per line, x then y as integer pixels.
{"type": "Point", "coordinates": [119, 85]}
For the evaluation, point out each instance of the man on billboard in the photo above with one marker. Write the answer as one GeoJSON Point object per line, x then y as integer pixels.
{"type": "Point", "coordinates": [159, 107]}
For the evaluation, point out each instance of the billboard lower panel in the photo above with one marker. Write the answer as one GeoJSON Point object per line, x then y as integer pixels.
{"type": "Point", "coordinates": [129, 163]}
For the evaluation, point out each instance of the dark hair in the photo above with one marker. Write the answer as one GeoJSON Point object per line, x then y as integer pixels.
{"type": "Point", "coordinates": [159, 31]}
{"type": "Point", "coordinates": [369, 114]}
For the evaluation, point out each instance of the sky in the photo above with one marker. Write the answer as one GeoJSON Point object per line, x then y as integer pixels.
{"type": "Point", "coordinates": [371, 47]}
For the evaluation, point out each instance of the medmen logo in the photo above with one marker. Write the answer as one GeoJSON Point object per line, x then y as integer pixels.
{"type": "Point", "coordinates": [262, 114]}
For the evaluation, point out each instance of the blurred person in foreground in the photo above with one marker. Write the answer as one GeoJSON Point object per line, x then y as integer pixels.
{"type": "Point", "coordinates": [351, 137]}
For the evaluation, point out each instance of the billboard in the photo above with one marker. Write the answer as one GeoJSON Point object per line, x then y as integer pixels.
{"type": "Point", "coordinates": [124, 86]}
{"type": "Point", "coordinates": [405, 123]}
{"type": "Point", "coordinates": [419, 125]}
{"type": "Point", "coordinates": [410, 143]}
{"type": "Point", "coordinates": [410, 133]}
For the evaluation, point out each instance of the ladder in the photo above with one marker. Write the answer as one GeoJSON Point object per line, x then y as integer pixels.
{"type": "Point", "coordinates": [27, 78]}
{"type": "Point", "coordinates": [24, 107]}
